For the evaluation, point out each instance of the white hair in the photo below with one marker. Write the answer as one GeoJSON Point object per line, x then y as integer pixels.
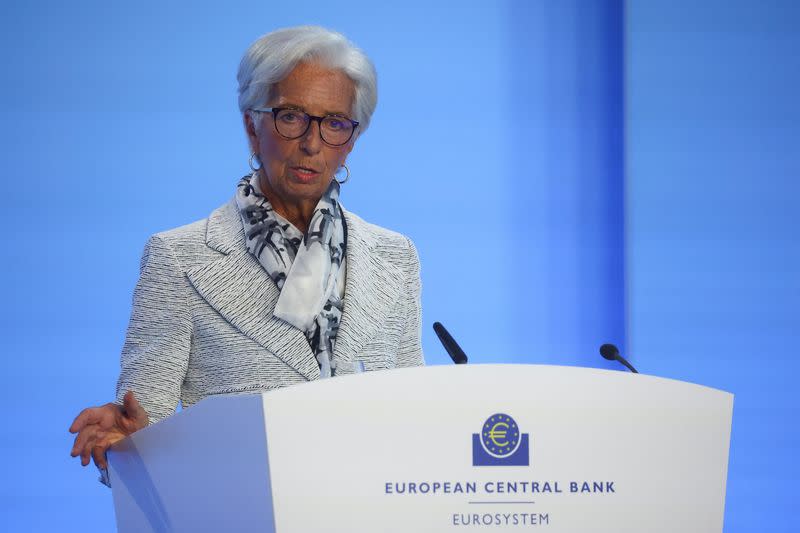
{"type": "Point", "coordinates": [273, 56]}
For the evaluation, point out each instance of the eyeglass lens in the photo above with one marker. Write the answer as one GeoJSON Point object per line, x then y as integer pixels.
{"type": "Point", "coordinates": [292, 124]}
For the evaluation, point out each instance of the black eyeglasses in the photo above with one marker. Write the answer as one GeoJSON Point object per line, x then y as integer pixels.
{"type": "Point", "coordinates": [291, 123]}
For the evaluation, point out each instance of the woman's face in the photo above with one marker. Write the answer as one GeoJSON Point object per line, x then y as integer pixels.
{"type": "Point", "coordinates": [298, 171]}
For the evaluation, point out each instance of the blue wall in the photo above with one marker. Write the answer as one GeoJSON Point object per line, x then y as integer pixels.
{"type": "Point", "coordinates": [502, 127]}
{"type": "Point", "coordinates": [713, 201]}
{"type": "Point", "coordinates": [565, 196]}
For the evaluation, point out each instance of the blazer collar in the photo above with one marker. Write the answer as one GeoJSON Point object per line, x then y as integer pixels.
{"type": "Point", "coordinates": [237, 286]}
{"type": "Point", "coordinates": [371, 290]}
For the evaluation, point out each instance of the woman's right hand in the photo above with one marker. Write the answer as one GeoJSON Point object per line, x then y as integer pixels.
{"type": "Point", "coordinates": [100, 427]}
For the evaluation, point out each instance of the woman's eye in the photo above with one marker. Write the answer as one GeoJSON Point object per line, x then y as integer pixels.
{"type": "Point", "coordinates": [289, 117]}
{"type": "Point", "coordinates": [335, 124]}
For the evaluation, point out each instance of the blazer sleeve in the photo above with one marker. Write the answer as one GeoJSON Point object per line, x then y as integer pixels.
{"type": "Point", "coordinates": [155, 355]}
{"type": "Point", "coordinates": [410, 350]}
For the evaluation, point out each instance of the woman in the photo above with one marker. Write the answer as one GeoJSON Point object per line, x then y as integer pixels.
{"type": "Point", "coordinates": [280, 285]}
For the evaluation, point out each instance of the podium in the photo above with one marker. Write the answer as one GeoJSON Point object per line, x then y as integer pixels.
{"type": "Point", "coordinates": [435, 449]}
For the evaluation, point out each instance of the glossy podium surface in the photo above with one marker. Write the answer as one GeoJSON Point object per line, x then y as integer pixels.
{"type": "Point", "coordinates": [436, 449]}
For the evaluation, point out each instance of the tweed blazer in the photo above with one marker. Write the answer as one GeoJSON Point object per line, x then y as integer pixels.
{"type": "Point", "coordinates": [202, 322]}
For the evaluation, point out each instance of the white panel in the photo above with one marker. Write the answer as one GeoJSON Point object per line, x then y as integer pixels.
{"type": "Point", "coordinates": [333, 446]}
{"type": "Point", "coordinates": [203, 469]}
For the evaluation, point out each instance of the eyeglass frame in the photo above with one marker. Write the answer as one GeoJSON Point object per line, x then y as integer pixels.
{"type": "Point", "coordinates": [311, 118]}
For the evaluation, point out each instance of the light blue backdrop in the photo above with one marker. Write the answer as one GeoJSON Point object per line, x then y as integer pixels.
{"type": "Point", "coordinates": [499, 124]}
{"type": "Point", "coordinates": [714, 196]}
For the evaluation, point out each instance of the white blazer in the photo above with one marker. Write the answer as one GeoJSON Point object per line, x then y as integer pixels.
{"type": "Point", "coordinates": [202, 319]}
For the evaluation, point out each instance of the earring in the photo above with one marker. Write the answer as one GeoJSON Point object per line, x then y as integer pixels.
{"type": "Point", "coordinates": [347, 177]}
{"type": "Point", "coordinates": [253, 159]}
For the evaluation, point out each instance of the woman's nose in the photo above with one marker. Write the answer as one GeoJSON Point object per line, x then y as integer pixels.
{"type": "Point", "coordinates": [311, 142]}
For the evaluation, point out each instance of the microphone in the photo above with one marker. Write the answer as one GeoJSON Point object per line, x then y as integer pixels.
{"type": "Point", "coordinates": [611, 352]}
{"type": "Point", "coordinates": [456, 353]}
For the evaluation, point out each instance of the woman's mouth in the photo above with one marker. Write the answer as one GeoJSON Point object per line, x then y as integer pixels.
{"type": "Point", "coordinates": [304, 174]}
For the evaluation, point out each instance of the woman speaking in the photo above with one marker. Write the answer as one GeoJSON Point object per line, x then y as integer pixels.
{"type": "Point", "coordinates": [281, 285]}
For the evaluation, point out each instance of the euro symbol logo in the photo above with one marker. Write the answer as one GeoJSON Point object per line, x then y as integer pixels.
{"type": "Point", "coordinates": [500, 443]}
{"type": "Point", "coordinates": [498, 434]}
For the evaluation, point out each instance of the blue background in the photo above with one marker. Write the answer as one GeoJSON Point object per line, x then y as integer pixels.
{"type": "Point", "coordinates": [572, 172]}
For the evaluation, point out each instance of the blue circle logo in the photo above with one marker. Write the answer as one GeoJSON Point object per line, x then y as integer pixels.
{"type": "Point", "coordinates": [500, 435]}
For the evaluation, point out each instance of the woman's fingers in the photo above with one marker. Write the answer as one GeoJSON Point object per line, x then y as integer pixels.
{"type": "Point", "coordinates": [90, 415]}
{"type": "Point", "coordinates": [134, 410]}
{"type": "Point", "coordinates": [98, 428]}
{"type": "Point", "coordinates": [86, 451]}
{"type": "Point", "coordinates": [99, 453]}
{"type": "Point", "coordinates": [82, 439]}
{"type": "Point", "coordinates": [93, 442]}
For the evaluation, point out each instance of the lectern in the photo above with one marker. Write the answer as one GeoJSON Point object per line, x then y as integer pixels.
{"type": "Point", "coordinates": [436, 449]}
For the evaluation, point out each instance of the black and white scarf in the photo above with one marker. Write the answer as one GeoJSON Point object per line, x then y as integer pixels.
{"type": "Point", "coordinates": [308, 269]}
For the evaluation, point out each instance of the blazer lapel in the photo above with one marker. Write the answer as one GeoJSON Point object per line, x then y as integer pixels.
{"type": "Point", "coordinates": [371, 291]}
{"type": "Point", "coordinates": [242, 292]}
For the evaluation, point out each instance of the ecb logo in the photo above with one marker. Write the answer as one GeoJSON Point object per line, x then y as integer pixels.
{"type": "Point", "coordinates": [500, 443]}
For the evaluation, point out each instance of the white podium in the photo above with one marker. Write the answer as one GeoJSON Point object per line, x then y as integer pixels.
{"type": "Point", "coordinates": [436, 449]}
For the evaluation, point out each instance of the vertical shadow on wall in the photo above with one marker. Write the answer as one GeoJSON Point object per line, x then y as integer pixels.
{"type": "Point", "coordinates": [567, 206]}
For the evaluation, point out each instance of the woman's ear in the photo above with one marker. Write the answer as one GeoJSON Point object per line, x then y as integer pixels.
{"type": "Point", "coordinates": [347, 149]}
{"type": "Point", "coordinates": [250, 129]}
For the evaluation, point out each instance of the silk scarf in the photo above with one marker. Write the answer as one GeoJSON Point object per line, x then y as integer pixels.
{"type": "Point", "coordinates": [306, 267]}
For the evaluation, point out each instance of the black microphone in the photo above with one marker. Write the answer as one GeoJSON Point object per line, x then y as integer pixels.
{"type": "Point", "coordinates": [456, 353]}
{"type": "Point", "coordinates": [611, 352]}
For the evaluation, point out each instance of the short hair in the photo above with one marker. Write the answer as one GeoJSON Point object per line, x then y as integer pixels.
{"type": "Point", "coordinates": [273, 56]}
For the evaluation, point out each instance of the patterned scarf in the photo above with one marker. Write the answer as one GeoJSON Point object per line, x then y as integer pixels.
{"type": "Point", "coordinates": [305, 268]}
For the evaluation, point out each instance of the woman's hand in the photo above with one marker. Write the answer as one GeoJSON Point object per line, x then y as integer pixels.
{"type": "Point", "coordinates": [100, 427]}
